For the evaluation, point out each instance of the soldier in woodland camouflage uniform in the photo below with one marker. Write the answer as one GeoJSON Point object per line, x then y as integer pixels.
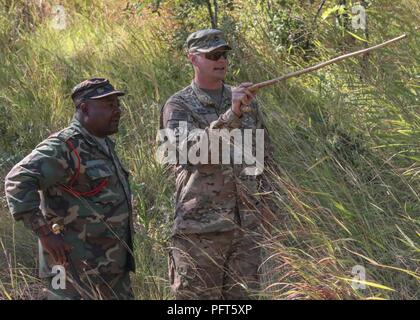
{"type": "Point", "coordinates": [75, 182]}
{"type": "Point", "coordinates": [214, 252]}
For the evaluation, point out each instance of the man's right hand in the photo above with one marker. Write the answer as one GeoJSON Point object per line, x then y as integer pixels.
{"type": "Point", "coordinates": [55, 245]}
{"type": "Point", "coordinates": [241, 95]}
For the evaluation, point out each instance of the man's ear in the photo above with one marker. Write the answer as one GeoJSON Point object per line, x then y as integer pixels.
{"type": "Point", "coordinates": [192, 57]}
{"type": "Point", "coordinates": [83, 107]}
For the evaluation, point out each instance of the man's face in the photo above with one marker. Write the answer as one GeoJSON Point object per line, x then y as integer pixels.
{"type": "Point", "coordinates": [103, 115]}
{"type": "Point", "coordinates": [211, 65]}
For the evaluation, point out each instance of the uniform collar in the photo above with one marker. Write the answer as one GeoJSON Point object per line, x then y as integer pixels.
{"type": "Point", "coordinates": [76, 125]}
{"type": "Point", "coordinates": [205, 99]}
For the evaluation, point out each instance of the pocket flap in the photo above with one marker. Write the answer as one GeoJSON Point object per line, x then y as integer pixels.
{"type": "Point", "coordinates": [98, 169]}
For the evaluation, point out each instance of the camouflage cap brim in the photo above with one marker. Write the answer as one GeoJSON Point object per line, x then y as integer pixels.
{"type": "Point", "coordinates": [209, 49]}
{"type": "Point", "coordinates": [115, 92]}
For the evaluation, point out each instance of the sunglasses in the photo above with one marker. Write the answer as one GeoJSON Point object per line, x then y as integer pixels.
{"type": "Point", "coordinates": [214, 56]}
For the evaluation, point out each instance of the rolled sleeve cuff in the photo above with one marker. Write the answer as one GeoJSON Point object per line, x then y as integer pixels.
{"type": "Point", "coordinates": [230, 119]}
{"type": "Point", "coordinates": [34, 222]}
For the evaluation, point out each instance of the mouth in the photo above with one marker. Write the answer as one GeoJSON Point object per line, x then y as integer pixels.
{"type": "Point", "coordinates": [220, 69]}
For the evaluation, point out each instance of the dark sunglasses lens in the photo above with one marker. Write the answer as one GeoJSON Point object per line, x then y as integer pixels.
{"type": "Point", "coordinates": [216, 55]}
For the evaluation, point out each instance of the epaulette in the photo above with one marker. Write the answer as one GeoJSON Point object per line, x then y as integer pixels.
{"type": "Point", "coordinates": [64, 134]}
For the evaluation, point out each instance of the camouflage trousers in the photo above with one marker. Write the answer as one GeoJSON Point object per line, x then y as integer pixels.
{"type": "Point", "coordinates": [217, 265]}
{"type": "Point", "coordinates": [94, 287]}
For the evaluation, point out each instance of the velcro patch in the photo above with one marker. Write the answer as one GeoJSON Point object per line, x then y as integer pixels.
{"type": "Point", "coordinates": [179, 115]}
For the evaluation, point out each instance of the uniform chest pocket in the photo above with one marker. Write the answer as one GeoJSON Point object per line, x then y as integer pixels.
{"type": "Point", "coordinates": [101, 178]}
{"type": "Point", "coordinates": [209, 115]}
{"type": "Point", "coordinates": [98, 169]}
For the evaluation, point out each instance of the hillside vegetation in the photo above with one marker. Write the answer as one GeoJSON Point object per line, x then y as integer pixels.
{"type": "Point", "coordinates": [346, 170]}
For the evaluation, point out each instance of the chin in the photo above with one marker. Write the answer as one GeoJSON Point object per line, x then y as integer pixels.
{"type": "Point", "coordinates": [220, 77]}
{"type": "Point", "coordinates": [112, 131]}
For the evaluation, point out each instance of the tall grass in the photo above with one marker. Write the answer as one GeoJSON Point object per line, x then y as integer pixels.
{"type": "Point", "coordinates": [346, 151]}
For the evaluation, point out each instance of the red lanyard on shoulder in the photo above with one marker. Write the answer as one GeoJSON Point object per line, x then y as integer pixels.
{"type": "Point", "coordinates": [69, 187]}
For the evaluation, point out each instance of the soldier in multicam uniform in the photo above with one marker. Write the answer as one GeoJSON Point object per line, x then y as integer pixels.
{"type": "Point", "coordinates": [214, 252]}
{"type": "Point", "coordinates": [75, 182]}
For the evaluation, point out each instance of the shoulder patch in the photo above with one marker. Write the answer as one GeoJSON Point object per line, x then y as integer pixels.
{"type": "Point", "coordinates": [64, 134]}
{"type": "Point", "coordinates": [178, 115]}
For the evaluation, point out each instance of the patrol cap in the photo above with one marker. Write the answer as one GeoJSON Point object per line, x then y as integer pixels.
{"type": "Point", "coordinates": [94, 88]}
{"type": "Point", "coordinates": [206, 40]}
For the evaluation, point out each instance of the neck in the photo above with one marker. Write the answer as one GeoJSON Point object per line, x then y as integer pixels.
{"type": "Point", "coordinates": [87, 127]}
{"type": "Point", "coordinates": [95, 134]}
{"type": "Point", "coordinates": [206, 83]}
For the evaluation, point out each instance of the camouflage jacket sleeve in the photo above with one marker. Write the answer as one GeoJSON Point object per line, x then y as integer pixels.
{"type": "Point", "coordinates": [174, 114]}
{"type": "Point", "coordinates": [45, 166]}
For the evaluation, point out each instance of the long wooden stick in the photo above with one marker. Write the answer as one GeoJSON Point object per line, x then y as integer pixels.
{"type": "Point", "coordinates": [260, 85]}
